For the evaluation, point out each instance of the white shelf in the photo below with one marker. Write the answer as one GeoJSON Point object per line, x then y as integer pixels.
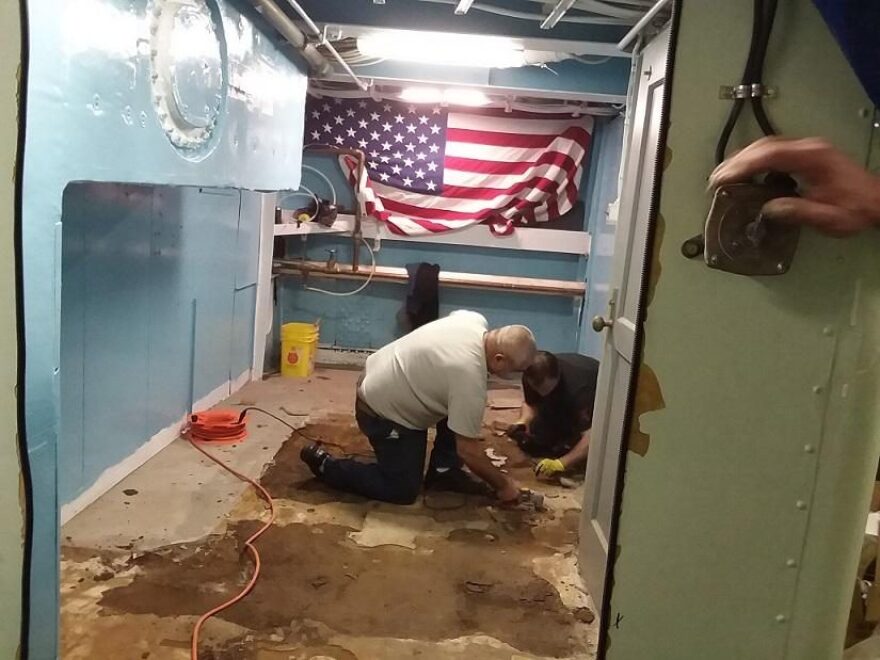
{"type": "Point", "coordinates": [304, 228]}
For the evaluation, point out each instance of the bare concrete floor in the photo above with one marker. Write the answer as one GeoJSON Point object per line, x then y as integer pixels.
{"type": "Point", "coordinates": [343, 578]}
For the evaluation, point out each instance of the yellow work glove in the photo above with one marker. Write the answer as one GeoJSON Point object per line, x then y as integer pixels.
{"type": "Point", "coordinates": [549, 467]}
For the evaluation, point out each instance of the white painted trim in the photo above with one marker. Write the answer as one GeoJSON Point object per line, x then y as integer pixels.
{"type": "Point", "coordinates": [263, 310]}
{"type": "Point", "coordinates": [116, 473]}
{"type": "Point", "coordinates": [343, 357]}
{"type": "Point", "coordinates": [524, 238]}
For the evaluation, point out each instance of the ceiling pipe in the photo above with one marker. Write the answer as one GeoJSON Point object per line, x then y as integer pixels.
{"type": "Point", "coordinates": [501, 11]}
{"type": "Point", "coordinates": [556, 14]}
{"type": "Point", "coordinates": [318, 64]}
{"type": "Point", "coordinates": [323, 41]}
{"type": "Point", "coordinates": [630, 36]}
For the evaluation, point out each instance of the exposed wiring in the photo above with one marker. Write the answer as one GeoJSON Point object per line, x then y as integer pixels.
{"type": "Point", "coordinates": [568, 18]}
{"type": "Point", "coordinates": [360, 288]}
{"type": "Point", "coordinates": [327, 180]}
{"type": "Point", "coordinates": [762, 25]}
{"type": "Point", "coordinates": [303, 192]}
{"type": "Point", "coordinates": [591, 60]}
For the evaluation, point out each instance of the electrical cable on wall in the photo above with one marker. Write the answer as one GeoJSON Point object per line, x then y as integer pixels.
{"type": "Point", "coordinates": [360, 288]}
{"type": "Point", "coordinates": [762, 25]}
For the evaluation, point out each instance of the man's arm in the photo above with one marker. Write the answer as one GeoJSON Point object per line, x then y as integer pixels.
{"type": "Point", "coordinates": [526, 415]}
{"type": "Point", "coordinates": [547, 467]}
{"type": "Point", "coordinates": [473, 456]}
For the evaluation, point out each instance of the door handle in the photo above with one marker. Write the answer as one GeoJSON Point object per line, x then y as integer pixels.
{"type": "Point", "coordinates": [600, 323]}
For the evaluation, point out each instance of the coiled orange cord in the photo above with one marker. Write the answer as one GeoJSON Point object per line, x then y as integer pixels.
{"type": "Point", "coordinates": [249, 544]}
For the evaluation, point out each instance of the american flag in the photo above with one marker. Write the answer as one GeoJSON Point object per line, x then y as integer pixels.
{"type": "Point", "coordinates": [431, 169]}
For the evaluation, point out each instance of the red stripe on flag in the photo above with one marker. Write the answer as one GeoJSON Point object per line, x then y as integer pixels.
{"type": "Point", "coordinates": [497, 139]}
{"type": "Point", "coordinates": [479, 166]}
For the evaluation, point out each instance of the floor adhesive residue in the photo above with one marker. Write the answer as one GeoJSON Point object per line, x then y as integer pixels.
{"type": "Point", "coordinates": [475, 581]}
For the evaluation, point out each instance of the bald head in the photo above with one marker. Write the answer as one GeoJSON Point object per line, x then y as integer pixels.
{"type": "Point", "coordinates": [509, 350]}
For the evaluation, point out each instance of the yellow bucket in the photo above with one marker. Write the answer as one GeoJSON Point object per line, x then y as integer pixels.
{"type": "Point", "coordinates": [299, 346]}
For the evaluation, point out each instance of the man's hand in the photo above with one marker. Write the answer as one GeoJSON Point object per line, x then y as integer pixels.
{"type": "Point", "coordinates": [840, 197]}
{"type": "Point", "coordinates": [549, 467]}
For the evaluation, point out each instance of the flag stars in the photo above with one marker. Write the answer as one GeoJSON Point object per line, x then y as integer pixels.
{"type": "Point", "coordinates": [435, 110]}
{"type": "Point", "coordinates": [372, 165]}
{"type": "Point", "coordinates": [433, 148]}
{"type": "Point", "coordinates": [386, 146]}
{"type": "Point", "coordinates": [374, 116]}
{"type": "Point", "coordinates": [397, 155]}
{"type": "Point", "coordinates": [408, 162]}
{"type": "Point", "coordinates": [337, 101]}
{"type": "Point", "coordinates": [350, 112]}
{"type": "Point", "coordinates": [398, 137]}
{"type": "Point", "coordinates": [339, 120]}
{"type": "Point", "coordinates": [398, 118]}
{"type": "Point", "coordinates": [386, 127]}
{"type": "Point", "coordinates": [327, 128]}
{"type": "Point", "coordinates": [410, 128]}
{"type": "Point", "coordinates": [387, 107]}
{"type": "Point", "coordinates": [384, 176]}
{"type": "Point", "coordinates": [423, 120]}
{"type": "Point", "coordinates": [432, 166]}
{"type": "Point", "coordinates": [362, 144]}
{"type": "Point", "coordinates": [420, 173]}
{"type": "Point", "coordinates": [316, 135]}
{"type": "Point", "coordinates": [407, 182]}
{"type": "Point", "coordinates": [362, 123]}
{"type": "Point", "coordinates": [421, 155]}
{"type": "Point", "coordinates": [435, 129]}
{"type": "Point", "coordinates": [338, 139]}
{"type": "Point", "coordinates": [423, 139]}
{"type": "Point", "coordinates": [351, 132]}
{"type": "Point", "coordinates": [411, 109]}
{"type": "Point", "coordinates": [410, 146]}
{"type": "Point", "coordinates": [374, 136]}
{"type": "Point", "coordinates": [396, 169]}
{"type": "Point", "coordinates": [316, 114]}
{"type": "Point", "coordinates": [326, 107]}
{"type": "Point", "coordinates": [362, 104]}
{"type": "Point", "coordinates": [384, 159]}
{"type": "Point", "coordinates": [430, 185]}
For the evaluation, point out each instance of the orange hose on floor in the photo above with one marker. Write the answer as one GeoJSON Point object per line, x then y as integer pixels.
{"type": "Point", "coordinates": [249, 544]}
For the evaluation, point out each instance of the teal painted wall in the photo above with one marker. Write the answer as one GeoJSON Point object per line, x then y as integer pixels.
{"type": "Point", "coordinates": [91, 118]}
{"type": "Point", "coordinates": [157, 310]}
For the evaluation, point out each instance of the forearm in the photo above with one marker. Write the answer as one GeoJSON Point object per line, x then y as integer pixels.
{"type": "Point", "coordinates": [578, 453]}
{"type": "Point", "coordinates": [526, 414]}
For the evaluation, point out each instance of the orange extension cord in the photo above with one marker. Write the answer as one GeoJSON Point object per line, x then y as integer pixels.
{"type": "Point", "coordinates": [216, 427]}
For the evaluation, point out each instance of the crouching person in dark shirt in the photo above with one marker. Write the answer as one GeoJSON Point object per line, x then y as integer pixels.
{"type": "Point", "coordinates": [557, 414]}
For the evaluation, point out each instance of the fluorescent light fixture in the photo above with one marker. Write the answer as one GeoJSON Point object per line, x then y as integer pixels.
{"type": "Point", "coordinates": [463, 7]}
{"type": "Point", "coordinates": [471, 50]}
{"type": "Point", "coordinates": [422, 95]}
{"type": "Point", "coordinates": [463, 96]}
{"type": "Point", "coordinates": [450, 96]}
{"type": "Point", "coordinates": [558, 12]}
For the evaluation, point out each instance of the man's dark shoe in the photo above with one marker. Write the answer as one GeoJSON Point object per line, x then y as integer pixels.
{"type": "Point", "coordinates": [314, 457]}
{"type": "Point", "coordinates": [455, 480]}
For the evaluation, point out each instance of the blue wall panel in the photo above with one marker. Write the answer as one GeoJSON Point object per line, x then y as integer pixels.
{"type": "Point", "coordinates": [138, 258]}
{"type": "Point", "coordinates": [91, 118]}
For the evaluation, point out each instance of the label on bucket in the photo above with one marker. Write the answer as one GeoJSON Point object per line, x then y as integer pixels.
{"type": "Point", "coordinates": [292, 357]}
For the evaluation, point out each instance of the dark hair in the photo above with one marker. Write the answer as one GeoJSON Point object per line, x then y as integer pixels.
{"type": "Point", "coordinates": [544, 367]}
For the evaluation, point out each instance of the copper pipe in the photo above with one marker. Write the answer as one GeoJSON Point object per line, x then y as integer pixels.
{"type": "Point", "coordinates": [513, 284]}
{"type": "Point", "coordinates": [357, 233]}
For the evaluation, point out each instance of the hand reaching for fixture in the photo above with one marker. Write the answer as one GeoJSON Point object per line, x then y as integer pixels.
{"type": "Point", "coordinates": [839, 197]}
